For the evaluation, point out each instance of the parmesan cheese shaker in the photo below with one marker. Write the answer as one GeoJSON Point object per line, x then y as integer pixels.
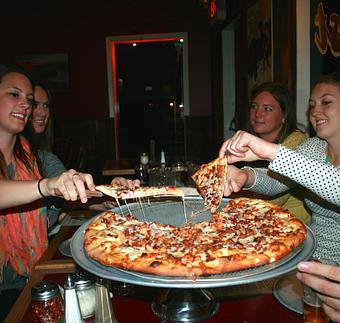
{"type": "Point", "coordinates": [86, 292]}
{"type": "Point", "coordinates": [72, 309]}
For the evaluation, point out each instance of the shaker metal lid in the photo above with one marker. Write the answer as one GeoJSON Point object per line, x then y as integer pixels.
{"type": "Point", "coordinates": [83, 280]}
{"type": "Point", "coordinates": [44, 290]}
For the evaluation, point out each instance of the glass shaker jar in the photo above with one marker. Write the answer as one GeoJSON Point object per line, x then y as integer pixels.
{"type": "Point", "coordinates": [143, 168]}
{"type": "Point", "coordinates": [86, 292]}
{"type": "Point", "coordinates": [47, 304]}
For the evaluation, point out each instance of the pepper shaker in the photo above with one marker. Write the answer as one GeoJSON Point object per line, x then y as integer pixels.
{"type": "Point", "coordinates": [47, 304]}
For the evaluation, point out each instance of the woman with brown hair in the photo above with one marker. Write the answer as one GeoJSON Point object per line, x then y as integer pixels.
{"type": "Point", "coordinates": [23, 218]}
{"type": "Point", "coordinates": [272, 118]}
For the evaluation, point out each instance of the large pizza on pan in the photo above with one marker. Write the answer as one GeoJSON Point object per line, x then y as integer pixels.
{"type": "Point", "coordinates": [246, 233]}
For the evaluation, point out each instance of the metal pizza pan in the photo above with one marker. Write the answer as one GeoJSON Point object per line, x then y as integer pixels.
{"type": "Point", "coordinates": [172, 212]}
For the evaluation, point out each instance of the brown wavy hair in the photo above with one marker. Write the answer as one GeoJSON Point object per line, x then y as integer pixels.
{"type": "Point", "coordinates": [43, 141]}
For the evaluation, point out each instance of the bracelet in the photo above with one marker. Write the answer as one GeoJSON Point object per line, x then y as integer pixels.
{"type": "Point", "coordinates": [254, 174]}
{"type": "Point", "coordinates": [39, 189]}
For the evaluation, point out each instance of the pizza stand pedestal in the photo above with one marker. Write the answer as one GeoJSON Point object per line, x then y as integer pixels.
{"type": "Point", "coordinates": [184, 299]}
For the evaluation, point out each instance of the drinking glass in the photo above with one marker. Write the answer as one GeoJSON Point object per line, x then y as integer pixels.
{"type": "Point", "coordinates": [312, 305]}
{"type": "Point", "coordinates": [312, 309]}
{"type": "Point", "coordinates": [180, 173]}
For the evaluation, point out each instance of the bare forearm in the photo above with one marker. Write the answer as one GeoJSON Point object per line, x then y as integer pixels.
{"type": "Point", "coordinates": [70, 185]}
{"type": "Point", "coordinates": [15, 193]}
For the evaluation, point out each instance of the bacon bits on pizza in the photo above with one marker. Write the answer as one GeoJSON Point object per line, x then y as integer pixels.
{"type": "Point", "coordinates": [246, 233]}
{"type": "Point", "coordinates": [210, 180]}
{"type": "Point", "coordinates": [121, 192]}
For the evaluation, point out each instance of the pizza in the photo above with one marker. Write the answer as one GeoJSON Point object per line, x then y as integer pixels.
{"type": "Point", "coordinates": [246, 233]}
{"type": "Point", "coordinates": [121, 192]}
{"type": "Point", "coordinates": [210, 180]}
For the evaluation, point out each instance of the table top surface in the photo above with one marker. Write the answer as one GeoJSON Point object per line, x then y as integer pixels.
{"type": "Point", "coordinates": [119, 167]}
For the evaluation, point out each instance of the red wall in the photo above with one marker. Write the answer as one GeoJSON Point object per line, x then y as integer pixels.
{"type": "Point", "coordinates": [81, 33]}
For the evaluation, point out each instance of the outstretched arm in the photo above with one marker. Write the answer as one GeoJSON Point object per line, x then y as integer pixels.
{"type": "Point", "coordinates": [70, 185]}
{"type": "Point", "coordinates": [244, 146]}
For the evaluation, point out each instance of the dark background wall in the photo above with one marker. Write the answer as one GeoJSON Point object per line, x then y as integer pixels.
{"type": "Point", "coordinates": [82, 113]}
{"type": "Point", "coordinates": [81, 33]}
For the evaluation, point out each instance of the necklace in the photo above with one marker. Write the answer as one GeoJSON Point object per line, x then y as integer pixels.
{"type": "Point", "coordinates": [331, 159]}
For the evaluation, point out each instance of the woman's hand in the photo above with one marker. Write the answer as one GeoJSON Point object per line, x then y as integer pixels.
{"type": "Point", "coordinates": [246, 147]}
{"type": "Point", "coordinates": [70, 184]}
{"type": "Point", "coordinates": [109, 204]}
{"type": "Point", "coordinates": [325, 279]}
{"type": "Point", "coordinates": [236, 180]}
{"type": "Point", "coordinates": [126, 182]}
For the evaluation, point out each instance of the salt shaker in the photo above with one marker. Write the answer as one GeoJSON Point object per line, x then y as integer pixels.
{"type": "Point", "coordinates": [47, 304]}
{"type": "Point", "coordinates": [72, 309]}
{"type": "Point", "coordinates": [104, 310]}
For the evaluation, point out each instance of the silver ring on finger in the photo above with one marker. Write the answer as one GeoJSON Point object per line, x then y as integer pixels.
{"type": "Point", "coordinates": [75, 174]}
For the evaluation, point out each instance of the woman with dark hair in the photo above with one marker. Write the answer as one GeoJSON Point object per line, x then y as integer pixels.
{"type": "Point", "coordinates": [271, 115]}
{"type": "Point", "coordinates": [273, 119]}
{"type": "Point", "coordinates": [23, 219]}
{"type": "Point", "coordinates": [315, 165]}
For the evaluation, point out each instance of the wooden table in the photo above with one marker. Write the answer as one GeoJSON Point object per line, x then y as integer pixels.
{"type": "Point", "coordinates": [120, 167]}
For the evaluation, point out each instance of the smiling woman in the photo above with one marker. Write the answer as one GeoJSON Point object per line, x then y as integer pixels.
{"type": "Point", "coordinates": [305, 166]}
{"type": "Point", "coordinates": [272, 118]}
{"type": "Point", "coordinates": [23, 215]}
{"type": "Point", "coordinates": [23, 236]}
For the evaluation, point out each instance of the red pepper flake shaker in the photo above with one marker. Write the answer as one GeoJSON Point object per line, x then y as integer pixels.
{"type": "Point", "coordinates": [47, 304]}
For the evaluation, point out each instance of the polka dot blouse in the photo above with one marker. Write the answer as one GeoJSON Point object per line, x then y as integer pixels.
{"type": "Point", "coordinates": [307, 166]}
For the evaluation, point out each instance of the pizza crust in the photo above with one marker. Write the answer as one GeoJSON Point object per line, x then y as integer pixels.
{"type": "Point", "coordinates": [245, 234]}
{"type": "Point", "coordinates": [121, 192]}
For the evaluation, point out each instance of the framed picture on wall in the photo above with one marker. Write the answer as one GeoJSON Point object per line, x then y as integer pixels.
{"type": "Point", "coordinates": [51, 69]}
{"type": "Point", "coordinates": [260, 44]}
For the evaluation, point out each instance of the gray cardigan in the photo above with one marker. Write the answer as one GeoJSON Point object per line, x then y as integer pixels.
{"type": "Point", "coordinates": [307, 166]}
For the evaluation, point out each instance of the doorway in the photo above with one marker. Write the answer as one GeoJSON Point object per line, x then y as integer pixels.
{"type": "Point", "coordinates": [148, 94]}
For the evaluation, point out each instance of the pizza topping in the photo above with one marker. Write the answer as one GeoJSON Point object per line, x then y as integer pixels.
{"type": "Point", "coordinates": [121, 192]}
{"type": "Point", "coordinates": [210, 180]}
{"type": "Point", "coordinates": [245, 233]}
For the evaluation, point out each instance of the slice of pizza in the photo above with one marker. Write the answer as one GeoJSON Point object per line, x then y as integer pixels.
{"type": "Point", "coordinates": [210, 180]}
{"type": "Point", "coordinates": [121, 192]}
